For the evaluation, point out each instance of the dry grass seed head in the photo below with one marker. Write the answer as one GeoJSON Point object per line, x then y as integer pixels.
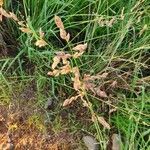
{"type": "Point", "coordinates": [40, 43]}
{"type": "Point", "coordinates": [70, 100]}
{"type": "Point", "coordinates": [77, 55]}
{"type": "Point", "coordinates": [55, 73]}
{"type": "Point", "coordinates": [56, 61]}
{"type": "Point", "coordinates": [101, 21]}
{"type": "Point", "coordinates": [4, 13]}
{"type": "Point", "coordinates": [99, 76]}
{"type": "Point", "coordinates": [8, 15]}
{"type": "Point", "coordinates": [100, 93]}
{"type": "Point", "coordinates": [65, 69]}
{"type": "Point", "coordinates": [60, 56]}
{"type": "Point", "coordinates": [77, 83]}
{"type": "Point", "coordinates": [80, 47]}
{"type": "Point", "coordinates": [103, 122]}
{"type": "Point", "coordinates": [13, 16]}
{"type": "Point", "coordinates": [1, 2]}
{"type": "Point", "coordinates": [63, 34]}
{"type": "Point", "coordinates": [41, 33]}
{"type": "Point", "coordinates": [21, 23]}
{"type": "Point", "coordinates": [88, 83]}
{"type": "Point", "coordinates": [111, 22]}
{"type": "Point", "coordinates": [58, 22]}
{"type": "Point", "coordinates": [25, 30]}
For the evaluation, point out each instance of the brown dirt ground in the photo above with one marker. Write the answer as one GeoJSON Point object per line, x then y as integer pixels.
{"type": "Point", "coordinates": [17, 133]}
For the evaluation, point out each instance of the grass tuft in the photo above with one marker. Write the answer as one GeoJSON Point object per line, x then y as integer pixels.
{"type": "Point", "coordinates": [94, 61]}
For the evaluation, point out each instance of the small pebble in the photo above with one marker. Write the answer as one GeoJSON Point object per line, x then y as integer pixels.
{"type": "Point", "coordinates": [91, 143]}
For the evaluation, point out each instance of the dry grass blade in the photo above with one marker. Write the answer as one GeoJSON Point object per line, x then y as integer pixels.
{"type": "Point", "coordinates": [103, 122]}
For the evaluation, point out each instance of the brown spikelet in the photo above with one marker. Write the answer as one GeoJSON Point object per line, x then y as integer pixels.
{"type": "Point", "coordinates": [80, 47]}
{"type": "Point", "coordinates": [103, 122]}
{"type": "Point", "coordinates": [63, 34]}
{"type": "Point", "coordinates": [58, 22]}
